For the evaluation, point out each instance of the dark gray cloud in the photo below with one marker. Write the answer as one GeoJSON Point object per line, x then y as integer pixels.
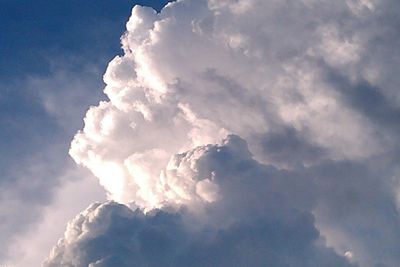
{"type": "Point", "coordinates": [359, 198]}
{"type": "Point", "coordinates": [288, 148]}
{"type": "Point", "coordinates": [161, 239]}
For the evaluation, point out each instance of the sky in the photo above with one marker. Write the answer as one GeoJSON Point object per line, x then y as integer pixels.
{"type": "Point", "coordinates": [53, 55]}
{"type": "Point", "coordinates": [199, 133]}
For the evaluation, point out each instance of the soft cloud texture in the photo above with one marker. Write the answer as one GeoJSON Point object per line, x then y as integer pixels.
{"type": "Point", "coordinates": [31, 246]}
{"type": "Point", "coordinates": [310, 86]}
{"type": "Point", "coordinates": [261, 217]}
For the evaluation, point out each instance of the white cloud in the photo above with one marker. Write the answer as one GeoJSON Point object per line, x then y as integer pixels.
{"type": "Point", "coordinates": [311, 87]}
{"type": "Point", "coordinates": [177, 87]}
{"type": "Point", "coordinates": [254, 221]}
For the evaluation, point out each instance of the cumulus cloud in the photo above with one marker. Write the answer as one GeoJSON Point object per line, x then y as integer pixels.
{"type": "Point", "coordinates": [261, 216]}
{"type": "Point", "coordinates": [309, 86]}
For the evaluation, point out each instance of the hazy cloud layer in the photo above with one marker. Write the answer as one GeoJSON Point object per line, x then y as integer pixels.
{"type": "Point", "coordinates": [50, 71]}
{"type": "Point", "coordinates": [311, 88]}
{"type": "Point", "coordinates": [34, 139]}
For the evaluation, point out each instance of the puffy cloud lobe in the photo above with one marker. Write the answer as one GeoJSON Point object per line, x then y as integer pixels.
{"type": "Point", "coordinates": [309, 85]}
{"type": "Point", "coordinates": [134, 239]}
{"type": "Point", "coordinates": [200, 70]}
{"type": "Point", "coordinates": [243, 227]}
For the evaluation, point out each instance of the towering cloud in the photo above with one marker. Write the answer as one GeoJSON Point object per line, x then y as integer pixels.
{"type": "Point", "coordinates": [247, 131]}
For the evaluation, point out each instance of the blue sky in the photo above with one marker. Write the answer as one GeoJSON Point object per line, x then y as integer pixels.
{"type": "Point", "coordinates": [40, 29]}
{"type": "Point", "coordinates": [71, 32]}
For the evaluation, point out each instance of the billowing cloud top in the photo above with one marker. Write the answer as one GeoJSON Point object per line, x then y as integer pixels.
{"type": "Point", "coordinates": [269, 124]}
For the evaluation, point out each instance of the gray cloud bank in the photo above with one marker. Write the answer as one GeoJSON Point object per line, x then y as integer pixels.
{"type": "Point", "coordinates": [245, 133]}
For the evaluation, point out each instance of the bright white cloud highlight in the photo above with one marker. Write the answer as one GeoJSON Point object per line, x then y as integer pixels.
{"type": "Point", "coordinates": [236, 222]}
{"type": "Point", "coordinates": [310, 86]}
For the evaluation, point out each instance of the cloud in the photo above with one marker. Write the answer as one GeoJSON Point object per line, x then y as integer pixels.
{"type": "Point", "coordinates": [309, 86]}
{"type": "Point", "coordinates": [199, 70]}
{"type": "Point", "coordinates": [254, 221]}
